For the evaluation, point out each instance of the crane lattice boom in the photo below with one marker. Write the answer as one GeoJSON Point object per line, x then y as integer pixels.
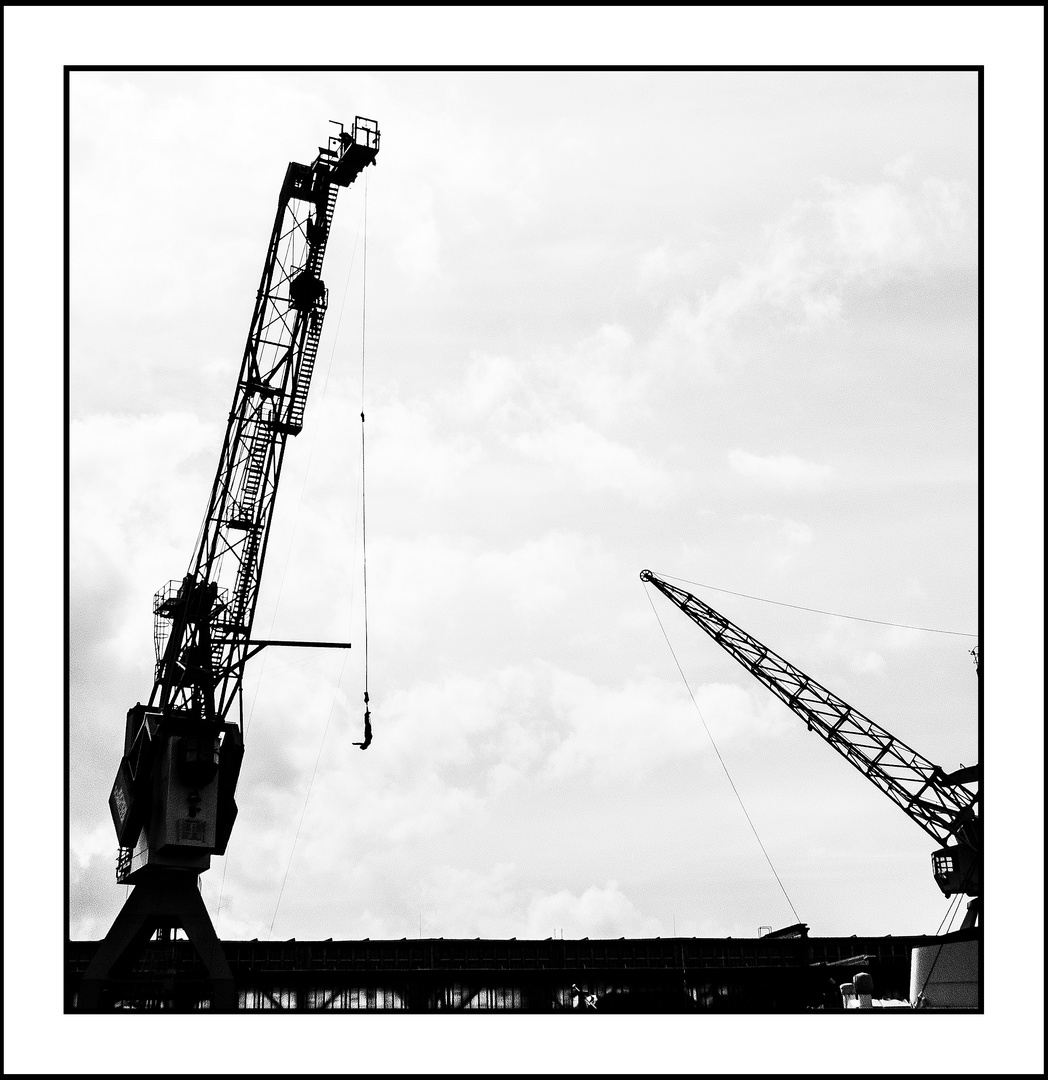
{"type": "Point", "coordinates": [268, 406]}
{"type": "Point", "coordinates": [937, 803]}
{"type": "Point", "coordinates": [183, 740]}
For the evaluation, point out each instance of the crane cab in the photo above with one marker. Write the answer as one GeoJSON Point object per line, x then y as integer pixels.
{"type": "Point", "coordinates": [956, 870]}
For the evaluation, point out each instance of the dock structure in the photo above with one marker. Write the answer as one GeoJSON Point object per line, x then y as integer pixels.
{"type": "Point", "coordinates": [773, 973]}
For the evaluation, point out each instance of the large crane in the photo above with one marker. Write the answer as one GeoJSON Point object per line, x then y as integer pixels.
{"type": "Point", "coordinates": [173, 798]}
{"type": "Point", "coordinates": [942, 805]}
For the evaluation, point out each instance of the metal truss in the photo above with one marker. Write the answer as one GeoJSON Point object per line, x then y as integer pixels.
{"type": "Point", "coordinates": [203, 623]}
{"type": "Point", "coordinates": [941, 806]}
{"type": "Point", "coordinates": [553, 975]}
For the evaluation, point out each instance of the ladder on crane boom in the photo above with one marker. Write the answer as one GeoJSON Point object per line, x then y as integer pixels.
{"type": "Point", "coordinates": [172, 802]}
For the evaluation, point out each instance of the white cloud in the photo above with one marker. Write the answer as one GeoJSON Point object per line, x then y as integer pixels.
{"type": "Point", "coordinates": [868, 663]}
{"type": "Point", "coordinates": [537, 575]}
{"type": "Point", "coordinates": [457, 582]}
{"type": "Point", "coordinates": [600, 464]}
{"type": "Point", "coordinates": [872, 226]}
{"type": "Point", "coordinates": [86, 846]}
{"type": "Point", "coordinates": [772, 541]}
{"type": "Point", "coordinates": [493, 391]}
{"type": "Point", "coordinates": [124, 523]}
{"type": "Point", "coordinates": [417, 244]}
{"type": "Point", "coordinates": [948, 206]}
{"type": "Point", "coordinates": [444, 182]}
{"type": "Point", "coordinates": [428, 810]}
{"type": "Point", "coordinates": [629, 730]}
{"type": "Point", "coordinates": [665, 263]}
{"type": "Point", "coordinates": [407, 448]}
{"type": "Point", "coordinates": [496, 902]}
{"type": "Point", "coordinates": [472, 903]}
{"type": "Point", "coordinates": [559, 418]}
{"type": "Point", "coordinates": [597, 376]}
{"type": "Point", "coordinates": [596, 913]}
{"type": "Point", "coordinates": [865, 648]}
{"type": "Point", "coordinates": [779, 470]}
{"type": "Point", "coordinates": [901, 637]}
{"type": "Point", "coordinates": [452, 756]}
{"type": "Point", "coordinates": [899, 167]}
{"type": "Point", "coordinates": [849, 235]}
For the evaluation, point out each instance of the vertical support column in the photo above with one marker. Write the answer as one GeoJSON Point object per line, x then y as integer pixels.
{"type": "Point", "coordinates": [160, 899]}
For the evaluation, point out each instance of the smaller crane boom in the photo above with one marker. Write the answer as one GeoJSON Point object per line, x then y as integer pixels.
{"type": "Point", "coordinates": [938, 803]}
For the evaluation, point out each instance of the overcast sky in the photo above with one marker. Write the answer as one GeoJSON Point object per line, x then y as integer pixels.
{"type": "Point", "coordinates": [718, 324]}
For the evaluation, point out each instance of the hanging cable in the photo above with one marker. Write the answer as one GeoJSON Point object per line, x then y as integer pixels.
{"type": "Point", "coordinates": [952, 911]}
{"type": "Point", "coordinates": [363, 489]}
{"type": "Point", "coordinates": [280, 587]}
{"type": "Point", "coordinates": [221, 890]}
{"type": "Point", "coordinates": [305, 480]}
{"type": "Point", "coordinates": [367, 720]}
{"type": "Point", "coordinates": [721, 760]}
{"type": "Point", "coordinates": [818, 611]}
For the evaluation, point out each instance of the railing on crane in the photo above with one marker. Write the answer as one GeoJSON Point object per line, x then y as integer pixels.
{"type": "Point", "coordinates": [172, 801]}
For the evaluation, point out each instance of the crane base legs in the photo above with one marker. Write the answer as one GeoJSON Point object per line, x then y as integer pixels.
{"type": "Point", "coordinates": [163, 899]}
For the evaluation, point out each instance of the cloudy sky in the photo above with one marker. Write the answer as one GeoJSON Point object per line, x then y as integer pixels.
{"type": "Point", "coordinates": [718, 324]}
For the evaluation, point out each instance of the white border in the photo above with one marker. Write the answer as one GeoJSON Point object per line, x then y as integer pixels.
{"type": "Point", "coordinates": [38, 42]}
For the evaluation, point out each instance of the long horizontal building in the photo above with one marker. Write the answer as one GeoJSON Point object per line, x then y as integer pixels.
{"type": "Point", "coordinates": [785, 971]}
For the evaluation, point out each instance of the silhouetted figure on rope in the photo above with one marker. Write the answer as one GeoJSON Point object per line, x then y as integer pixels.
{"type": "Point", "coordinates": [367, 726]}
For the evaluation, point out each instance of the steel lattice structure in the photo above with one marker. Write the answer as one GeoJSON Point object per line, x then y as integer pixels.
{"type": "Point", "coordinates": [209, 613]}
{"type": "Point", "coordinates": [938, 803]}
{"type": "Point", "coordinates": [184, 738]}
{"type": "Point", "coordinates": [173, 800]}
{"type": "Point", "coordinates": [769, 974]}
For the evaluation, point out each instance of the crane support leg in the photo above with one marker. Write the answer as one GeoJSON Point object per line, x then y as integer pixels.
{"type": "Point", "coordinates": [971, 915]}
{"type": "Point", "coordinates": [159, 900]}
